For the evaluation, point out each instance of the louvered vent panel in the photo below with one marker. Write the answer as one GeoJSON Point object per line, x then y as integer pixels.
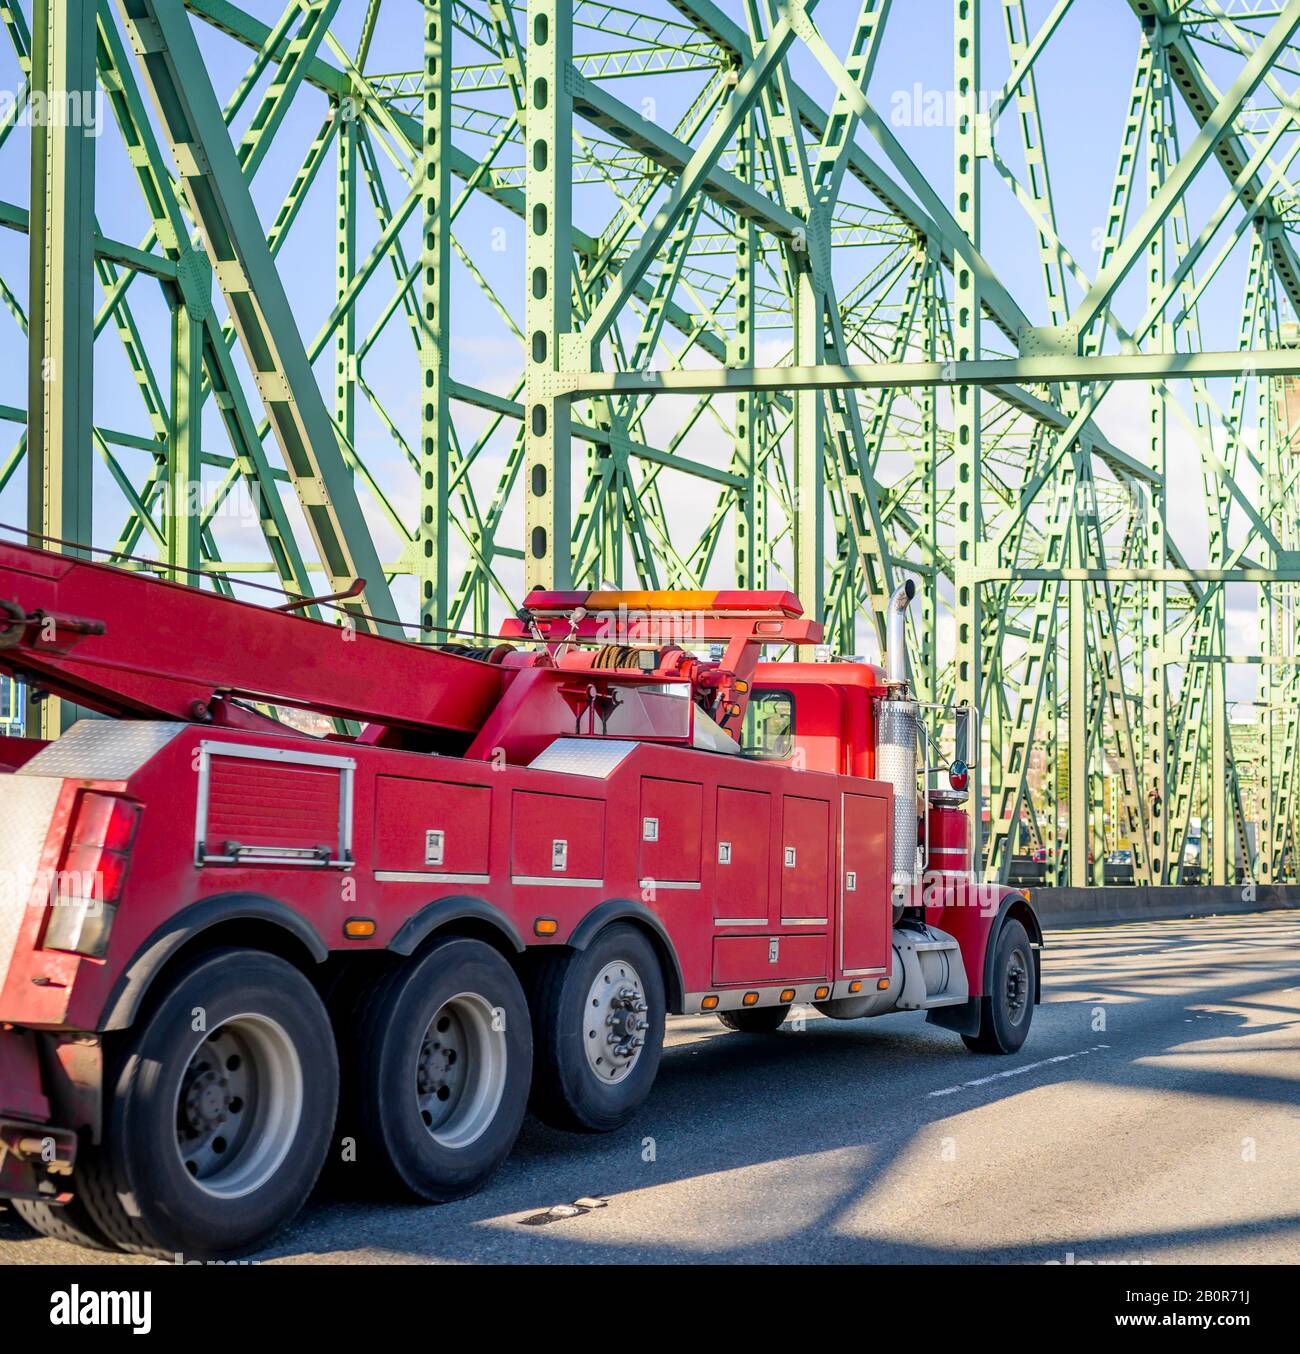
{"type": "Point", "coordinates": [259, 803]}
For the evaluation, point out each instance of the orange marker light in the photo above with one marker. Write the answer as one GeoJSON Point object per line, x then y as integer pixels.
{"type": "Point", "coordinates": [708, 1004]}
{"type": "Point", "coordinates": [750, 999]}
{"type": "Point", "coordinates": [882, 984]}
{"type": "Point", "coordinates": [545, 926]}
{"type": "Point", "coordinates": [821, 994]}
{"type": "Point", "coordinates": [788, 994]}
{"type": "Point", "coordinates": [359, 928]}
{"type": "Point", "coordinates": [855, 986]}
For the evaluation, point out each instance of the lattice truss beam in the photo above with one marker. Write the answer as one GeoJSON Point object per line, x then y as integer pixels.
{"type": "Point", "coordinates": [461, 296]}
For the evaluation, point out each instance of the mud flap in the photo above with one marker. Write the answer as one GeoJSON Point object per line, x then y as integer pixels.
{"type": "Point", "coordinates": [963, 1019]}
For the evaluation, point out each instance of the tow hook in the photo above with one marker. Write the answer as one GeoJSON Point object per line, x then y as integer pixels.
{"type": "Point", "coordinates": [46, 631]}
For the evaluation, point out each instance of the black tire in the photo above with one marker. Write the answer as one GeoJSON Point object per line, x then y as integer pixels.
{"type": "Point", "coordinates": [70, 1222]}
{"type": "Point", "coordinates": [566, 1090]}
{"type": "Point", "coordinates": [169, 1083]}
{"type": "Point", "coordinates": [410, 1138]}
{"type": "Point", "coordinates": [755, 1020]}
{"type": "Point", "coordinates": [1008, 1009]}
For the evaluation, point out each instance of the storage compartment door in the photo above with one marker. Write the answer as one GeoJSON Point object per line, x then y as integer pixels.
{"type": "Point", "coordinates": [432, 828]}
{"type": "Point", "coordinates": [557, 839]}
{"type": "Point", "coordinates": [805, 857]}
{"type": "Point", "coordinates": [740, 894]}
{"type": "Point", "coordinates": [671, 813]}
{"type": "Point", "coordinates": [866, 914]}
{"type": "Point", "coordinates": [768, 961]}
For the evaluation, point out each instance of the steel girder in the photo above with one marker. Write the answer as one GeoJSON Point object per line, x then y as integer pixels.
{"type": "Point", "coordinates": [780, 348]}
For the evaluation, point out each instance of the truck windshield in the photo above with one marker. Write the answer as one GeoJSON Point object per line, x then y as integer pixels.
{"type": "Point", "coordinates": [769, 725]}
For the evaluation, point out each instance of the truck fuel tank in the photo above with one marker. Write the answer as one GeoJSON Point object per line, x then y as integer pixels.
{"type": "Point", "coordinates": [926, 970]}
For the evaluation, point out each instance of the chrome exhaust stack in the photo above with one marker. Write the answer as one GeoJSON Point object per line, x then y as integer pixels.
{"type": "Point", "coordinates": [896, 633]}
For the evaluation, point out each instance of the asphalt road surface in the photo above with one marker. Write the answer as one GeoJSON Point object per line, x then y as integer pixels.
{"type": "Point", "coordinates": [1153, 1116]}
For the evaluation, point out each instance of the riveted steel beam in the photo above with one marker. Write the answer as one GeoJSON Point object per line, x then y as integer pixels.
{"type": "Point", "coordinates": [218, 196]}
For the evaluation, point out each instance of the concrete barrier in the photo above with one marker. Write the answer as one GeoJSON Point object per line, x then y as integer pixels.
{"type": "Point", "coordinates": [1059, 908]}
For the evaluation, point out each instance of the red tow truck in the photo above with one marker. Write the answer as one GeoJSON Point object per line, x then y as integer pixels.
{"type": "Point", "coordinates": [230, 950]}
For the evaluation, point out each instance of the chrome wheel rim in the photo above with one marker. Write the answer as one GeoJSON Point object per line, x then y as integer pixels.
{"type": "Point", "coordinates": [615, 1022]}
{"type": "Point", "coordinates": [460, 1073]}
{"type": "Point", "coordinates": [238, 1106]}
{"type": "Point", "coordinates": [1017, 989]}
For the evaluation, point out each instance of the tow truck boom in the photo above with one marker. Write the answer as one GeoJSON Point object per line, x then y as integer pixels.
{"type": "Point", "coordinates": [168, 651]}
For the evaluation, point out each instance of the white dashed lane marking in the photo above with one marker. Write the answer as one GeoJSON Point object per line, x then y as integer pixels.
{"type": "Point", "coordinates": [1017, 1071]}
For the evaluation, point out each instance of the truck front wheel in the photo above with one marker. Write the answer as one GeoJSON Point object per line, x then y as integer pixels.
{"type": "Point", "coordinates": [1008, 1008]}
{"type": "Point", "coordinates": [598, 1017]}
{"type": "Point", "coordinates": [438, 1070]}
{"type": "Point", "coordinates": [218, 1113]}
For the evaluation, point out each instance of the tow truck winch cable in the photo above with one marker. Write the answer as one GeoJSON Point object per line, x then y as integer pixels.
{"type": "Point", "coordinates": [295, 598]}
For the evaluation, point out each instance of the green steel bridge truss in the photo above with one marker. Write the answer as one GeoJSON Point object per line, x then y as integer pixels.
{"type": "Point", "coordinates": [747, 341]}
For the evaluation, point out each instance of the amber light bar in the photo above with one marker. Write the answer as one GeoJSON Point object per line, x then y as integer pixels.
{"type": "Point", "coordinates": [725, 602]}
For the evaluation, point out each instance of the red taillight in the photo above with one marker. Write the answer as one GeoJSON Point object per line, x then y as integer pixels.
{"type": "Point", "coordinates": [99, 845]}
{"type": "Point", "coordinates": [106, 871]}
{"type": "Point", "coordinates": [91, 874]}
{"type": "Point", "coordinates": [104, 820]}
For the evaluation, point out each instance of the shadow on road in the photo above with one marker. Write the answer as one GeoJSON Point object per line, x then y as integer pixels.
{"type": "Point", "coordinates": [726, 1101]}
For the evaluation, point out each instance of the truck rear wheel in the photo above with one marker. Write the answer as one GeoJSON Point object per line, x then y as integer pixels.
{"type": "Point", "coordinates": [438, 1070]}
{"type": "Point", "coordinates": [68, 1222]}
{"type": "Point", "coordinates": [218, 1112]}
{"type": "Point", "coordinates": [755, 1020]}
{"type": "Point", "coordinates": [1009, 1008]}
{"type": "Point", "coordinates": [598, 1019]}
